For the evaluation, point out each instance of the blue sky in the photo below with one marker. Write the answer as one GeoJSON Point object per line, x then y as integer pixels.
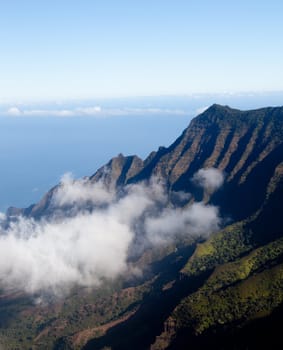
{"type": "Point", "coordinates": [89, 48]}
{"type": "Point", "coordinates": [61, 58]}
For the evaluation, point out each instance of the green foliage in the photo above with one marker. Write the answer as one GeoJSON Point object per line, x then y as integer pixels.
{"type": "Point", "coordinates": [41, 325]}
{"type": "Point", "coordinates": [255, 296]}
{"type": "Point", "coordinates": [236, 292]}
{"type": "Point", "coordinates": [238, 270]}
{"type": "Point", "coordinates": [221, 247]}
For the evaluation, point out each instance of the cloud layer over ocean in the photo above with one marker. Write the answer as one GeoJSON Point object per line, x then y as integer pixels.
{"type": "Point", "coordinates": [91, 111]}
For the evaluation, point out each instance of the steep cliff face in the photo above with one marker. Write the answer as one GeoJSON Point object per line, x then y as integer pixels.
{"type": "Point", "coordinates": [242, 293]}
{"type": "Point", "coordinates": [246, 146]}
{"type": "Point", "coordinates": [118, 170]}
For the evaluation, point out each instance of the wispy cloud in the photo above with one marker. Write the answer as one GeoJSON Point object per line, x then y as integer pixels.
{"type": "Point", "coordinates": [210, 178]}
{"type": "Point", "coordinates": [196, 220]}
{"type": "Point", "coordinates": [88, 111]}
{"type": "Point", "coordinates": [94, 111]}
{"type": "Point", "coordinates": [14, 111]}
{"type": "Point", "coordinates": [80, 192]}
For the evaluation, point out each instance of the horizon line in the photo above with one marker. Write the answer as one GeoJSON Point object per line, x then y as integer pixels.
{"type": "Point", "coordinates": [57, 100]}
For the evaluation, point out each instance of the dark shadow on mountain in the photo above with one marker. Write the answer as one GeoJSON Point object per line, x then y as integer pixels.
{"type": "Point", "coordinates": [140, 330]}
{"type": "Point", "coordinates": [241, 201]}
{"type": "Point", "coordinates": [11, 306]}
{"type": "Point", "coordinates": [262, 333]}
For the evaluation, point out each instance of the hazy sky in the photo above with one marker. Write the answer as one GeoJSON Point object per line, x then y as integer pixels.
{"type": "Point", "coordinates": [109, 48]}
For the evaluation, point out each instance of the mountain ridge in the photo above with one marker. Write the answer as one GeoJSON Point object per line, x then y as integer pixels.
{"type": "Point", "coordinates": [195, 292]}
{"type": "Point", "coordinates": [230, 140]}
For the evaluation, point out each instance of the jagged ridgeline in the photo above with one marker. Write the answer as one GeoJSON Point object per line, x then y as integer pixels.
{"type": "Point", "coordinates": [245, 145]}
{"type": "Point", "coordinates": [224, 293]}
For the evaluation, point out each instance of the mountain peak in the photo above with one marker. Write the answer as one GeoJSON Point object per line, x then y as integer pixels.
{"type": "Point", "coordinates": [219, 110]}
{"type": "Point", "coordinates": [217, 107]}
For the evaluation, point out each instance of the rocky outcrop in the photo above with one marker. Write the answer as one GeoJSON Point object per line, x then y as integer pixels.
{"type": "Point", "coordinates": [118, 170]}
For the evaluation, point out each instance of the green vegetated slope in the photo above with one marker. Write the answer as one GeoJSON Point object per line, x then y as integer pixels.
{"type": "Point", "coordinates": [237, 291]}
{"type": "Point", "coordinates": [26, 324]}
{"type": "Point", "coordinates": [234, 295]}
{"type": "Point", "coordinates": [134, 307]}
{"type": "Point", "coordinates": [244, 284]}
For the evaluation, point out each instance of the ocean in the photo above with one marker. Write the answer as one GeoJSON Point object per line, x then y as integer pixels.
{"type": "Point", "coordinates": [36, 151]}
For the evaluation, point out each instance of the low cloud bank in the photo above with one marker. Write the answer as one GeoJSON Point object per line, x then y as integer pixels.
{"type": "Point", "coordinates": [196, 220]}
{"type": "Point", "coordinates": [52, 256]}
{"type": "Point", "coordinates": [80, 192]}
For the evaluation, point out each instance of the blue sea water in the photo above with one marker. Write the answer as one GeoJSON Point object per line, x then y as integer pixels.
{"type": "Point", "coordinates": [36, 151]}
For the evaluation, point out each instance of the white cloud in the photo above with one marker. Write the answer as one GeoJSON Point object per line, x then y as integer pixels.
{"type": "Point", "coordinates": [80, 111]}
{"type": "Point", "coordinates": [180, 197]}
{"type": "Point", "coordinates": [196, 220]}
{"type": "Point", "coordinates": [14, 111]}
{"type": "Point", "coordinates": [84, 249]}
{"type": "Point", "coordinates": [2, 217]}
{"type": "Point", "coordinates": [94, 111]}
{"type": "Point", "coordinates": [89, 110]}
{"type": "Point", "coordinates": [55, 254]}
{"type": "Point", "coordinates": [80, 192]}
{"type": "Point", "coordinates": [210, 179]}
{"type": "Point", "coordinates": [151, 110]}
